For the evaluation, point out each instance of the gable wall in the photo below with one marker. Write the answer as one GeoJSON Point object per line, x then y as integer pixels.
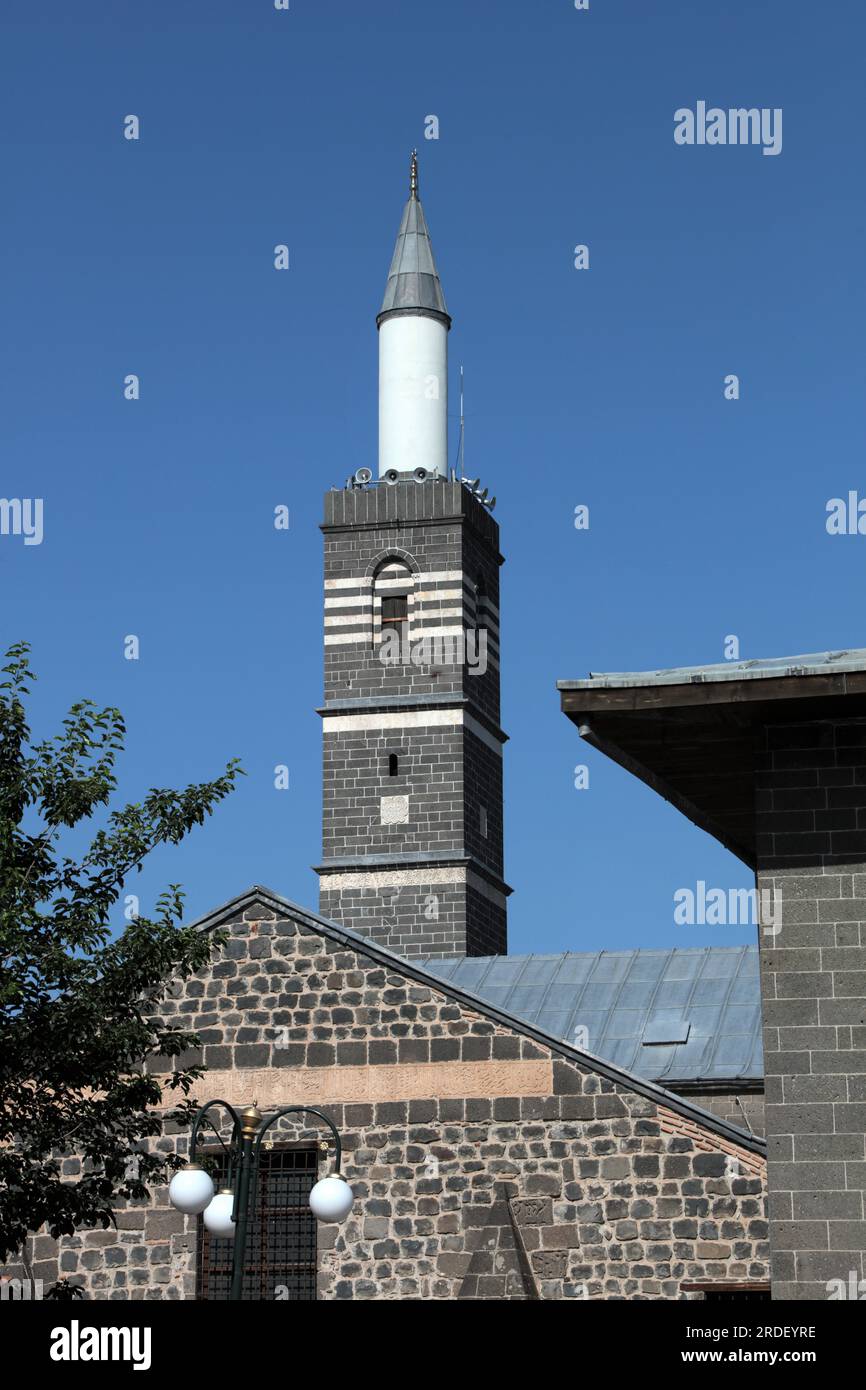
{"type": "Point", "coordinates": [456, 1130]}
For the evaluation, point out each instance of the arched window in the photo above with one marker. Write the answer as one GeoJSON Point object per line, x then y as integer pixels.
{"type": "Point", "coordinates": [393, 764]}
{"type": "Point", "coordinates": [393, 585]}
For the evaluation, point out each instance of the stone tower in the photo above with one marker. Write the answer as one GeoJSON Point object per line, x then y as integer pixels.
{"type": "Point", "coordinates": [412, 806]}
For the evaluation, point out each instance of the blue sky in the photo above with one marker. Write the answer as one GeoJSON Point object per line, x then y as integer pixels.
{"type": "Point", "coordinates": [602, 387]}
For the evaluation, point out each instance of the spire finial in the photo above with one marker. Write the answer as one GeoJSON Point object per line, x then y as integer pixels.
{"type": "Point", "coordinates": [413, 175]}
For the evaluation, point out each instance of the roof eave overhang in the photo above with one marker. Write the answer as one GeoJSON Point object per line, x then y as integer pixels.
{"type": "Point", "coordinates": [630, 693]}
{"type": "Point", "coordinates": [692, 740]}
{"type": "Point", "coordinates": [669, 793]}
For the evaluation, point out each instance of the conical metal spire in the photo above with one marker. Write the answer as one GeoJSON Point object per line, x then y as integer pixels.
{"type": "Point", "coordinates": [413, 282]}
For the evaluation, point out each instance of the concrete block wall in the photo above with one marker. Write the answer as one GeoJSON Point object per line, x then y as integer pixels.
{"type": "Point", "coordinates": [811, 821]}
{"type": "Point", "coordinates": [742, 1108]}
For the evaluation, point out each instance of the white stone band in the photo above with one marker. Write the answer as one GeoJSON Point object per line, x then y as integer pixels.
{"type": "Point", "coordinates": [409, 719]}
{"type": "Point", "coordinates": [333, 880]}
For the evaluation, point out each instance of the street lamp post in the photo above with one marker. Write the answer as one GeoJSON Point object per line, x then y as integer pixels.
{"type": "Point", "coordinates": [226, 1213]}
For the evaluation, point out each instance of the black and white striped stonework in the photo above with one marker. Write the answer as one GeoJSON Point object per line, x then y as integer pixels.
{"type": "Point", "coordinates": [412, 766]}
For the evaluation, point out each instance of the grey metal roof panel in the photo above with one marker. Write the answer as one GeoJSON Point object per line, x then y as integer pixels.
{"type": "Point", "coordinates": [811, 664]}
{"type": "Point", "coordinates": [660, 1030]}
{"type": "Point", "coordinates": [709, 995]}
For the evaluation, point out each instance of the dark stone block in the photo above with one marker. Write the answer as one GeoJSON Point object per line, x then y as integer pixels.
{"type": "Point", "coordinates": [710, 1165]}
{"type": "Point", "coordinates": [253, 1055]}
{"type": "Point", "coordinates": [567, 1079]}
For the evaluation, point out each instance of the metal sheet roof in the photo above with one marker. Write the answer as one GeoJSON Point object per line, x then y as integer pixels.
{"type": "Point", "coordinates": [413, 280]}
{"type": "Point", "coordinates": [634, 1005]}
{"type": "Point", "coordinates": [812, 664]}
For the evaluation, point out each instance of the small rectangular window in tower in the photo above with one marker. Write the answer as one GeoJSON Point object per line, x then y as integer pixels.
{"type": "Point", "coordinates": [393, 764]}
{"type": "Point", "coordinates": [482, 820]}
{"type": "Point", "coordinates": [395, 613]}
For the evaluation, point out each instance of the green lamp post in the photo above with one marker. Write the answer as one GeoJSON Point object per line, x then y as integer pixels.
{"type": "Point", "coordinates": [226, 1213]}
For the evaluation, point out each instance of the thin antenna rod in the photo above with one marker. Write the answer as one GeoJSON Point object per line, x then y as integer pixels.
{"type": "Point", "coordinates": [462, 426]}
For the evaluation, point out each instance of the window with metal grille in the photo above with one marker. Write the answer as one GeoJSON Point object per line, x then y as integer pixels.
{"type": "Point", "coordinates": [281, 1238]}
{"type": "Point", "coordinates": [723, 1295]}
{"type": "Point", "coordinates": [716, 1292]}
{"type": "Point", "coordinates": [395, 613]}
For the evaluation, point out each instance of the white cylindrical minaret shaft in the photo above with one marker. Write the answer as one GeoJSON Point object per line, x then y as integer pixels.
{"type": "Point", "coordinates": [413, 395]}
{"type": "Point", "coordinates": [413, 352]}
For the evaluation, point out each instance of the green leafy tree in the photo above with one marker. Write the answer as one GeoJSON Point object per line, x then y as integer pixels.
{"type": "Point", "coordinates": [79, 1003]}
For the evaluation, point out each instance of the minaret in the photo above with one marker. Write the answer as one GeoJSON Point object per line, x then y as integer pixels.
{"type": "Point", "coordinates": [412, 769]}
{"type": "Point", "coordinates": [413, 351]}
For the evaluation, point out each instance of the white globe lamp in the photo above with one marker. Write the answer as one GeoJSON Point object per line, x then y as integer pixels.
{"type": "Point", "coordinates": [331, 1199]}
{"type": "Point", "coordinates": [218, 1216]}
{"type": "Point", "coordinates": [190, 1190]}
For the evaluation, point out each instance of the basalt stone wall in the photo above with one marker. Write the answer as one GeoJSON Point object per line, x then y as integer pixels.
{"type": "Point", "coordinates": [412, 752]}
{"type": "Point", "coordinates": [485, 1164]}
{"type": "Point", "coordinates": [442, 531]}
{"type": "Point", "coordinates": [415, 914]}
